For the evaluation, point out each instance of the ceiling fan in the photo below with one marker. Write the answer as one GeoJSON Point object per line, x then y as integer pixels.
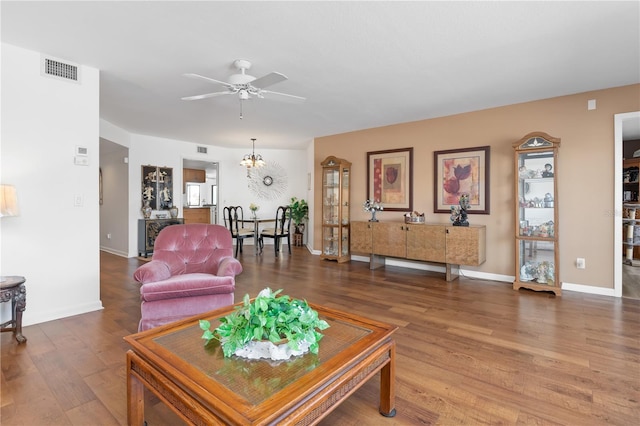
{"type": "Point", "coordinates": [244, 85]}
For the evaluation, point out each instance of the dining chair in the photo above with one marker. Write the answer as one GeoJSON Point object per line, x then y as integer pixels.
{"type": "Point", "coordinates": [234, 222]}
{"type": "Point", "coordinates": [281, 230]}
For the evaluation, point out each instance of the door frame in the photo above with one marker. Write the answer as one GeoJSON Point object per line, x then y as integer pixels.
{"type": "Point", "coordinates": [619, 122]}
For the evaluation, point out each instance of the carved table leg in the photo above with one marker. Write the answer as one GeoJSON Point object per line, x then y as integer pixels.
{"type": "Point", "coordinates": [19, 304]}
{"type": "Point", "coordinates": [13, 289]}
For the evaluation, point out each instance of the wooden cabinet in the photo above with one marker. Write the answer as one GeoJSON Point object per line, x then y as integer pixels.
{"type": "Point", "coordinates": [389, 239]}
{"type": "Point", "coordinates": [197, 215]}
{"type": "Point", "coordinates": [194, 175]}
{"type": "Point", "coordinates": [148, 230]}
{"type": "Point", "coordinates": [452, 245]}
{"type": "Point", "coordinates": [466, 245]}
{"type": "Point", "coordinates": [536, 213]}
{"type": "Point", "coordinates": [335, 209]}
{"type": "Point", "coordinates": [361, 237]}
{"type": "Point", "coordinates": [428, 243]}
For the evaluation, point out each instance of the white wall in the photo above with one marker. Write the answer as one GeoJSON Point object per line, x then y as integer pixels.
{"type": "Point", "coordinates": [53, 243]}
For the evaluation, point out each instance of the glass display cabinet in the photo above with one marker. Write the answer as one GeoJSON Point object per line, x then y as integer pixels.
{"type": "Point", "coordinates": [335, 209]}
{"type": "Point", "coordinates": [536, 226]}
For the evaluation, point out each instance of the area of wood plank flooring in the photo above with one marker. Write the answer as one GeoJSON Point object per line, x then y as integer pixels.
{"type": "Point", "coordinates": [468, 351]}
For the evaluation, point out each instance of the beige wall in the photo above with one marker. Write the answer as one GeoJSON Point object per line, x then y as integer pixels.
{"type": "Point", "coordinates": [585, 172]}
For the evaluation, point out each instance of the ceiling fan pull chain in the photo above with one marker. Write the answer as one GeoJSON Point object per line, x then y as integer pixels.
{"type": "Point", "coordinates": [240, 109]}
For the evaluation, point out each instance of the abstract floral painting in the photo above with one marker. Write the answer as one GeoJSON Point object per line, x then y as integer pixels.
{"type": "Point", "coordinates": [462, 171]}
{"type": "Point", "coordinates": [390, 179]}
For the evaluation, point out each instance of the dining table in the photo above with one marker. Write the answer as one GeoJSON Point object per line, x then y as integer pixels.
{"type": "Point", "coordinates": [256, 229]}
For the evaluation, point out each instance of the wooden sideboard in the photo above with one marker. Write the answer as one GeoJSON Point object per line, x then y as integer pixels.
{"type": "Point", "coordinates": [439, 243]}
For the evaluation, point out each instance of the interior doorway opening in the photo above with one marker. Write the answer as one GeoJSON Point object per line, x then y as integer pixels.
{"type": "Point", "coordinates": [627, 126]}
{"type": "Point", "coordinates": [207, 189]}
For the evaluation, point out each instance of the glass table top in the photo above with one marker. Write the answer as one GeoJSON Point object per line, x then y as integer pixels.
{"type": "Point", "coordinates": [256, 380]}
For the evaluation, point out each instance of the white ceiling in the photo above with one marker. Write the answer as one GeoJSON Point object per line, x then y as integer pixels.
{"type": "Point", "coordinates": [359, 64]}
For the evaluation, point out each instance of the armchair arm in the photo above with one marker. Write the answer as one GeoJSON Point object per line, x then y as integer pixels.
{"type": "Point", "coordinates": [229, 267]}
{"type": "Point", "coordinates": [152, 271]}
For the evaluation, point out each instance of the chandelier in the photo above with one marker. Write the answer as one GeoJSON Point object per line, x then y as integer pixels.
{"type": "Point", "coordinates": [252, 160]}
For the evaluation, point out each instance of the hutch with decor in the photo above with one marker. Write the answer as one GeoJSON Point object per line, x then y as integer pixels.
{"type": "Point", "coordinates": [536, 213]}
{"type": "Point", "coordinates": [335, 209]}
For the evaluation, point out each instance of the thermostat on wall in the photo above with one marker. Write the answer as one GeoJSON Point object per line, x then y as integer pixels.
{"type": "Point", "coordinates": [82, 150]}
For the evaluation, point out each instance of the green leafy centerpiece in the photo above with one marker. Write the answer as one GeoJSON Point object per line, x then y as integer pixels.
{"type": "Point", "coordinates": [271, 326]}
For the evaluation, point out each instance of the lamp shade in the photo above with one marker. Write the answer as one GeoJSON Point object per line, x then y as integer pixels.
{"type": "Point", "coordinates": [8, 201]}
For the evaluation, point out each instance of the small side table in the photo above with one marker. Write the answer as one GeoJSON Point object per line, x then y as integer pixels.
{"type": "Point", "coordinates": [12, 288]}
{"type": "Point", "coordinates": [297, 239]}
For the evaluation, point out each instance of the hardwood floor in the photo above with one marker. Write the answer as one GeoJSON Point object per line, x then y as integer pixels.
{"type": "Point", "coordinates": [468, 352]}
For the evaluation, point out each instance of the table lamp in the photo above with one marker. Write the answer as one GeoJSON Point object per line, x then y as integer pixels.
{"type": "Point", "coordinates": [8, 201]}
{"type": "Point", "coordinates": [8, 205]}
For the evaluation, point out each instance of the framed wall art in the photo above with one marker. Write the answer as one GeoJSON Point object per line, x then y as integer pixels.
{"type": "Point", "coordinates": [390, 178]}
{"type": "Point", "coordinates": [157, 187]}
{"type": "Point", "coordinates": [461, 171]}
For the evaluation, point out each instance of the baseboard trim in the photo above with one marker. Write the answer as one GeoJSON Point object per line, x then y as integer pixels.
{"type": "Point", "coordinates": [115, 252]}
{"type": "Point", "coordinates": [424, 266]}
{"type": "Point", "coordinates": [31, 318]}
{"type": "Point", "coordinates": [581, 288]}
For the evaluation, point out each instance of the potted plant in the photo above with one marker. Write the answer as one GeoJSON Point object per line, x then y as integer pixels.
{"type": "Point", "coordinates": [299, 213]}
{"type": "Point", "coordinates": [271, 326]}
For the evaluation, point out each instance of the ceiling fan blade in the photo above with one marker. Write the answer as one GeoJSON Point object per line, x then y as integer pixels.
{"type": "Point", "coordinates": [207, 95]}
{"type": "Point", "coordinates": [268, 80]}
{"type": "Point", "coordinates": [210, 80]}
{"type": "Point", "coordinates": [282, 96]}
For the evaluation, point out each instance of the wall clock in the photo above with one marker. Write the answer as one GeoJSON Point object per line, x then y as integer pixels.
{"type": "Point", "coordinates": [268, 182]}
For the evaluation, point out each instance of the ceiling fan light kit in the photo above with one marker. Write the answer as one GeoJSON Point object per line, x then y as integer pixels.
{"type": "Point", "coordinates": [244, 85]}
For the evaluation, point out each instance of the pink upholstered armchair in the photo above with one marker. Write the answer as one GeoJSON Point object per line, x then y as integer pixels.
{"type": "Point", "coordinates": [192, 271]}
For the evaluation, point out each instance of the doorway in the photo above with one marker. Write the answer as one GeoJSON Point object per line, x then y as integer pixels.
{"type": "Point", "coordinates": [207, 190]}
{"type": "Point", "coordinates": [114, 198]}
{"type": "Point", "coordinates": [627, 126]}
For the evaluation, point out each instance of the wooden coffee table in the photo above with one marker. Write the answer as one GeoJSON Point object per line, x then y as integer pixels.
{"type": "Point", "coordinates": [203, 387]}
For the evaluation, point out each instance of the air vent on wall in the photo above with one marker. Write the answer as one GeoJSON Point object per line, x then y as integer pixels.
{"type": "Point", "coordinates": [202, 150]}
{"type": "Point", "coordinates": [61, 70]}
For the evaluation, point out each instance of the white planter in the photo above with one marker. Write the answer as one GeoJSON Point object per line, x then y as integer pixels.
{"type": "Point", "coordinates": [268, 350]}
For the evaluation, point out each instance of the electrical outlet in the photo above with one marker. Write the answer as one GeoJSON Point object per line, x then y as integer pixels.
{"type": "Point", "coordinates": [108, 236]}
{"type": "Point", "coordinates": [580, 263]}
